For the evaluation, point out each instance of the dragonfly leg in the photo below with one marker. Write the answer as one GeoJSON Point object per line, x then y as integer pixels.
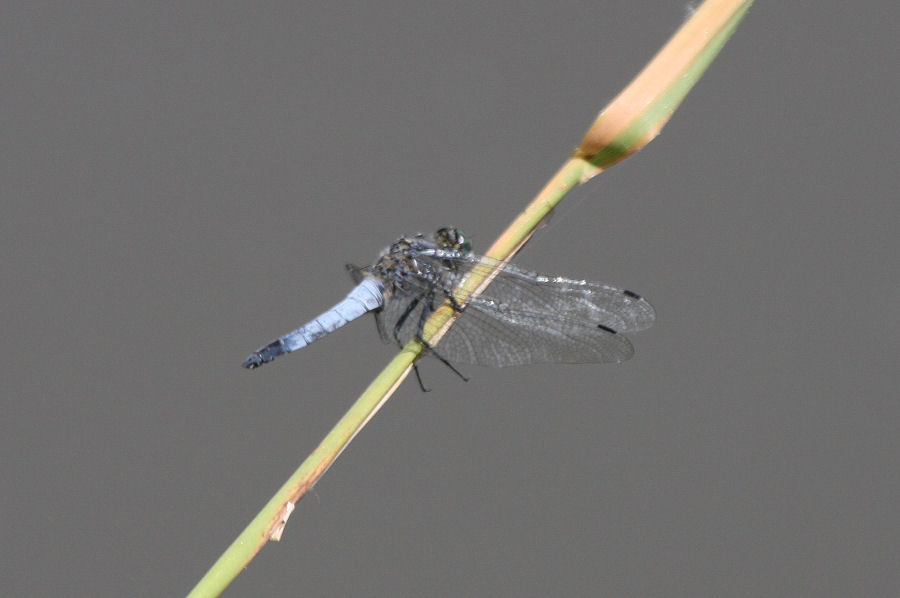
{"type": "Point", "coordinates": [421, 330]}
{"type": "Point", "coordinates": [419, 378]}
{"type": "Point", "coordinates": [402, 320]}
{"type": "Point", "coordinates": [455, 304]}
{"type": "Point", "coordinates": [443, 360]}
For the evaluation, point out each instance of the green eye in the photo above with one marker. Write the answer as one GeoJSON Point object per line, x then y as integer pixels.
{"type": "Point", "coordinates": [463, 243]}
{"type": "Point", "coordinates": [453, 238]}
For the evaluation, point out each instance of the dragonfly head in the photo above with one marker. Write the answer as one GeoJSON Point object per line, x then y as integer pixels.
{"type": "Point", "coordinates": [453, 239]}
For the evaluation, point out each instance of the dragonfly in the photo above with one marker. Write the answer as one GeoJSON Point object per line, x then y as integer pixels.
{"type": "Point", "coordinates": [521, 318]}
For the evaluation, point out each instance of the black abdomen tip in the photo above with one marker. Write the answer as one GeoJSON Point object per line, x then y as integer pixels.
{"type": "Point", "coordinates": [253, 362]}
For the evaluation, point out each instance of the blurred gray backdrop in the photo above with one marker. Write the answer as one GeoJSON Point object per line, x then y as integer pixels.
{"type": "Point", "coordinates": [184, 181]}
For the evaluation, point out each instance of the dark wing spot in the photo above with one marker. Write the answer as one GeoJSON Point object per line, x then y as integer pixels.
{"type": "Point", "coordinates": [606, 328]}
{"type": "Point", "coordinates": [631, 294]}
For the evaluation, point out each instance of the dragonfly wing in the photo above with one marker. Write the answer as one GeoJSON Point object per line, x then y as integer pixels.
{"type": "Point", "coordinates": [593, 302]}
{"type": "Point", "coordinates": [498, 336]}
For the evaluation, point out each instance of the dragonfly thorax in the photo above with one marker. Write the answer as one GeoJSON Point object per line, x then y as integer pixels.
{"type": "Point", "coordinates": [413, 261]}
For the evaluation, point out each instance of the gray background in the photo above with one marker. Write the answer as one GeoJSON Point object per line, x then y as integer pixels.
{"type": "Point", "coordinates": [183, 182]}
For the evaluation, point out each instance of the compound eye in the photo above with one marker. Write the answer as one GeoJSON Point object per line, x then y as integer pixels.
{"type": "Point", "coordinates": [453, 238]}
{"type": "Point", "coordinates": [463, 243]}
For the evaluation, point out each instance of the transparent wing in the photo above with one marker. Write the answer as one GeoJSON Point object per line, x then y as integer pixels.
{"type": "Point", "coordinates": [500, 337]}
{"type": "Point", "coordinates": [619, 309]}
{"type": "Point", "coordinates": [522, 317]}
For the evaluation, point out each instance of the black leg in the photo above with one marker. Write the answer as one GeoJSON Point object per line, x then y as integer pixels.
{"type": "Point", "coordinates": [444, 361]}
{"type": "Point", "coordinates": [402, 320]}
{"type": "Point", "coordinates": [421, 330]}
{"type": "Point", "coordinates": [455, 304]}
{"type": "Point", "coordinates": [419, 378]}
{"type": "Point", "coordinates": [423, 317]}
